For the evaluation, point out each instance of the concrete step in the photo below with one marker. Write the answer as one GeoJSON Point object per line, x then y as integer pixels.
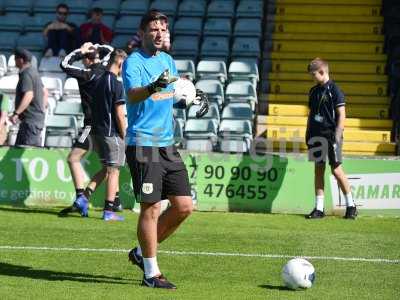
{"type": "Point", "coordinates": [307, 56]}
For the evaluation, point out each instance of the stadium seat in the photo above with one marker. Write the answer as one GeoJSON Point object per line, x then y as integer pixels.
{"type": "Point", "coordinates": [24, 6]}
{"type": "Point", "coordinates": [200, 134]}
{"type": "Point", "coordinates": [186, 68]}
{"type": "Point", "coordinates": [121, 40]}
{"type": "Point", "coordinates": [214, 89]}
{"type": "Point", "coordinates": [50, 64]}
{"type": "Point", "coordinates": [235, 136]}
{"type": "Point", "coordinates": [33, 41]}
{"type": "Point", "coordinates": [109, 7]}
{"type": "Point", "coordinates": [60, 130]}
{"type": "Point", "coordinates": [37, 22]}
{"type": "Point", "coordinates": [69, 109]}
{"type": "Point", "coordinates": [78, 7]}
{"type": "Point", "coordinates": [237, 111]}
{"type": "Point", "coordinates": [209, 69]}
{"type": "Point", "coordinates": [12, 22]}
{"type": "Point", "coordinates": [189, 8]}
{"type": "Point", "coordinates": [248, 28]}
{"type": "Point", "coordinates": [8, 40]}
{"type": "Point", "coordinates": [188, 26]}
{"type": "Point", "coordinates": [217, 27]}
{"type": "Point", "coordinates": [48, 6]}
{"type": "Point", "coordinates": [217, 47]}
{"type": "Point", "coordinates": [8, 83]}
{"type": "Point", "coordinates": [179, 114]}
{"type": "Point", "coordinates": [250, 9]}
{"type": "Point", "coordinates": [127, 24]}
{"type": "Point", "coordinates": [71, 88]}
{"type": "Point", "coordinates": [246, 47]}
{"type": "Point", "coordinates": [77, 18]}
{"type": "Point", "coordinates": [167, 7]}
{"type": "Point", "coordinates": [3, 65]}
{"type": "Point", "coordinates": [221, 9]}
{"type": "Point", "coordinates": [134, 7]}
{"type": "Point", "coordinates": [241, 91]}
{"type": "Point", "coordinates": [186, 46]}
{"type": "Point", "coordinates": [213, 112]}
{"type": "Point", "coordinates": [54, 86]}
{"type": "Point", "coordinates": [243, 70]}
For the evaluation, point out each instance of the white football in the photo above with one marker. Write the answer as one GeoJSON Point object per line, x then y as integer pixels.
{"type": "Point", "coordinates": [298, 273]}
{"type": "Point", "coordinates": [184, 90]}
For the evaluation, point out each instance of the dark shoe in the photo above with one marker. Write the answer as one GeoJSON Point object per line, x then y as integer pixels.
{"type": "Point", "coordinates": [315, 214]}
{"type": "Point", "coordinates": [136, 259]}
{"type": "Point", "coordinates": [351, 212]}
{"type": "Point", "coordinates": [158, 282]}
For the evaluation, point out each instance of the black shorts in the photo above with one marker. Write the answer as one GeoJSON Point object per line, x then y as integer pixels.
{"type": "Point", "coordinates": [157, 172]}
{"type": "Point", "coordinates": [318, 151]}
{"type": "Point", "coordinates": [29, 135]}
{"type": "Point", "coordinates": [83, 141]}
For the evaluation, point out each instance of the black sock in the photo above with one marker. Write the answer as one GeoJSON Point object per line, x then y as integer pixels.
{"type": "Point", "coordinates": [117, 201]}
{"type": "Point", "coordinates": [108, 205]}
{"type": "Point", "coordinates": [79, 192]}
{"type": "Point", "coordinates": [88, 192]}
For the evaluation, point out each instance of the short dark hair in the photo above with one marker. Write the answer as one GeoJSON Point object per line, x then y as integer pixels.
{"type": "Point", "coordinates": [97, 10]}
{"type": "Point", "coordinates": [316, 64]}
{"type": "Point", "coordinates": [115, 55]}
{"type": "Point", "coordinates": [150, 16]}
{"type": "Point", "coordinates": [23, 53]}
{"type": "Point", "coordinates": [93, 54]}
{"type": "Point", "coordinates": [62, 5]}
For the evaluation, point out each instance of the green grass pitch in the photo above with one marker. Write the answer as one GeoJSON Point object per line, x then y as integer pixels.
{"type": "Point", "coordinates": [66, 271]}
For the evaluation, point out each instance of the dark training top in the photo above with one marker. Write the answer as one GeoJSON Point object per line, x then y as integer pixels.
{"type": "Point", "coordinates": [323, 101]}
{"type": "Point", "coordinates": [108, 93]}
{"type": "Point", "coordinates": [29, 80]}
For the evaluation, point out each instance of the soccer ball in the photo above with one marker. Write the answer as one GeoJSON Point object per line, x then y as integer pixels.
{"type": "Point", "coordinates": [298, 273]}
{"type": "Point", "coordinates": [184, 90]}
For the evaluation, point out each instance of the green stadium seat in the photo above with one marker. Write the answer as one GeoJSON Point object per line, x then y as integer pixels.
{"type": "Point", "coordinates": [189, 8]}
{"type": "Point", "coordinates": [60, 130]}
{"type": "Point", "coordinates": [217, 27]}
{"type": "Point", "coordinates": [241, 91]}
{"type": "Point", "coordinates": [134, 7]}
{"type": "Point", "coordinates": [188, 26]}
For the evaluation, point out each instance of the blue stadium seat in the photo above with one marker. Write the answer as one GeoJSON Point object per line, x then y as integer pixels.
{"type": "Point", "coordinates": [189, 8]}
{"type": "Point", "coordinates": [214, 89]}
{"type": "Point", "coordinates": [215, 47]}
{"type": "Point", "coordinates": [77, 18]}
{"type": "Point", "coordinates": [246, 47]}
{"type": "Point", "coordinates": [37, 22]}
{"type": "Point", "coordinates": [24, 6]}
{"type": "Point", "coordinates": [186, 68]}
{"type": "Point", "coordinates": [12, 22]}
{"type": "Point", "coordinates": [248, 28]}
{"type": "Point", "coordinates": [221, 9]}
{"type": "Point", "coordinates": [77, 6]}
{"type": "Point", "coordinates": [209, 69]}
{"type": "Point", "coordinates": [218, 27]}
{"type": "Point", "coordinates": [134, 7]}
{"type": "Point", "coordinates": [40, 6]}
{"type": "Point", "coordinates": [127, 24]}
{"type": "Point", "coordinates": [241, 91]}
{"type": "Point", "coordinates": [184, 45]}
{"type": "Point", "coordinates": [250, 9]}
{"type": "Point", "coordinates": [243, 70]}
{"type": "Point", "coordinates": [121, 40]}
{"type": "Point", "coordinates": [109, 7]}
{"type": "Point", "coordinates": [188, 26]}
{"type": "Point", "coordinates": [8, 40]}
{"type": "Point", "coordinates": [33, 41]}
{"type": "Point", "coordinates": [167, 7]}
{"type": "Point", "coordinates": [237, 111]}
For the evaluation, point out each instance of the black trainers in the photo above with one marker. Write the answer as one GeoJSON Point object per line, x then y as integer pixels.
{"type": "Point", "coordinates": [351, 212]}
{"type": "Point", "coordinates": [158, 282]}
{"type": "Point", "coordinates": [315, 214]}
{"type": "Point", "coordinates": [136, 259]}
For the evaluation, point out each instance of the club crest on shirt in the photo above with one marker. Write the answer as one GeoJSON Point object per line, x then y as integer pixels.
{"type": "Point", "coordinates": [147, 188]}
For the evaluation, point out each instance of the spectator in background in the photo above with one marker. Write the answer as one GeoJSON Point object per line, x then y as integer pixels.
{"type": "Point", "coordinates": [30, 101]}
{"type": "Point", "coordinates": [60, 34]}
{"type": "Point", "coordinates": [95, 31]}
{"type": "Point", "coordinates": [3, 117]}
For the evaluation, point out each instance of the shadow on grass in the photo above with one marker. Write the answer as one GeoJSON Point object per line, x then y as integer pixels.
{"type": "Point", "coordinates": [275, 287]}
{"type": "Point", "coordinates": [29, 272]}
{"type": "Point", "coordinates": [28, 210]}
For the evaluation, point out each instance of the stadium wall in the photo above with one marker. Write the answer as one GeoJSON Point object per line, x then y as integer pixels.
{"type": "Point", "coordinates": [220, 182]}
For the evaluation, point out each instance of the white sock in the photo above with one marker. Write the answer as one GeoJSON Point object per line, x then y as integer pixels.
{"type": "Point", "coordinates": [150, 267]}
{"type": "Point", "coordinates": [349, 199]}
{"type": "Point", "coordinates": [139, 251]}
{"type": "Point", "coordinates": [319, 203]}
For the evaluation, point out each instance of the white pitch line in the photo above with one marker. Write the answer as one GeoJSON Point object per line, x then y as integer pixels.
{"type": "Point", "coordinates": [198, 253]}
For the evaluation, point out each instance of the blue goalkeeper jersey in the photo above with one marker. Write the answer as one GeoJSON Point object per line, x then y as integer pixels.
{"type": "Point", "coordinates": [150, 122]}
